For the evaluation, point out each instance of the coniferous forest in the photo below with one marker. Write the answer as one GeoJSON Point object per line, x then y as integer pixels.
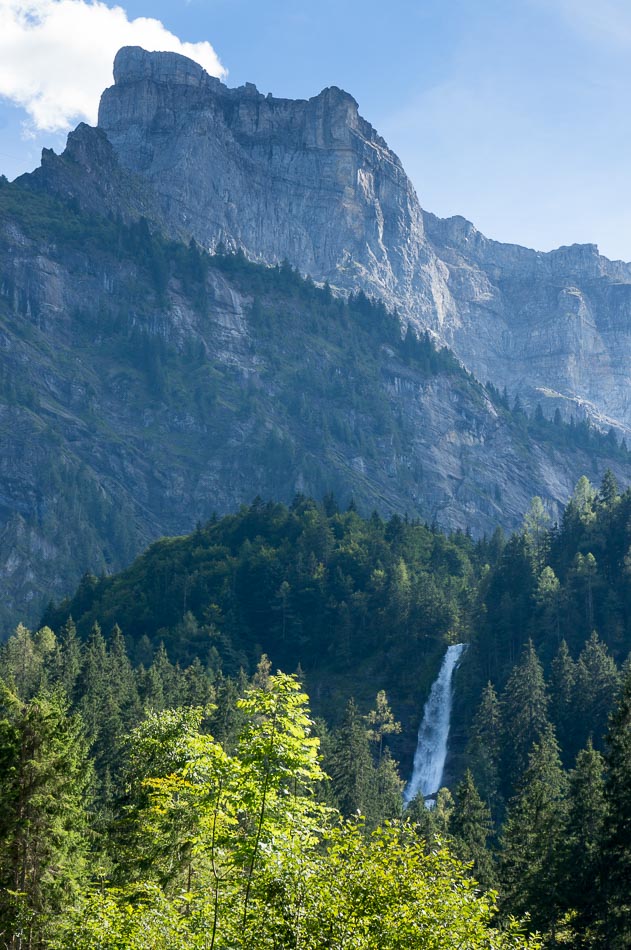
{"type": "Point", "coordinates": [166, 785]}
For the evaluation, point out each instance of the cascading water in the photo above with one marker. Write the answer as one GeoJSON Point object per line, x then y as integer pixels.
{"type": "Point", "coordinates": [433, 733]}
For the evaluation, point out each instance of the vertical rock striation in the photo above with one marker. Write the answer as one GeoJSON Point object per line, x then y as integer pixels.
{"type": "Point", "coordinates": [310, 181]}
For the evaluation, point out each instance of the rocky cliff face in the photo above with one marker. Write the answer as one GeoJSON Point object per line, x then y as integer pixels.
{"type": "Point", "coordinates": [313, 183]}
{"type": "Point", "coordinates": [555, 327]}
{"type": "Point", "coordinates": [306, 181]}
{"type": "Point", "coordinates": [143, 387]}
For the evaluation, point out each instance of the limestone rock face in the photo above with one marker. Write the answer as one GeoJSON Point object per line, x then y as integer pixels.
{"type": "Point", "coordinates": [310, 181]}
{"type": "Point", "coordinates": [142, 387]}
{"type": "Point", "coordinates": [135, 402]}
{"type": "Point", "coordinates": [554, 327]}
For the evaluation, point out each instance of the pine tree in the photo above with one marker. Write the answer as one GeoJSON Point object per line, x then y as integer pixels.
{"type": "Point", "coordinates": [524, 707]}
{"type": "Point", "coordinates": [615, 883]}
{"type": "Point", "coordinates": [43, 832]}
{"type": "Point", "coordinates": [532, 837]}
{"type": "Point", "coordinates": [470, 827]}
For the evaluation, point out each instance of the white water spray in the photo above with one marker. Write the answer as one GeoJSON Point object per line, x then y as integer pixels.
{"type": "Point", "coordinates": [433, 733]}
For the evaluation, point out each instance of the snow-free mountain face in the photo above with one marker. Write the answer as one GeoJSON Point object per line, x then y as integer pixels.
{"type": "Point", "coordinates": [144, 385]}
{"type": "Point", "coordinates": [310, 181]}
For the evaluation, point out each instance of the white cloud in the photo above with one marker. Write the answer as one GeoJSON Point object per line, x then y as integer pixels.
{"type": "Point", "coordinates": [56, 56]}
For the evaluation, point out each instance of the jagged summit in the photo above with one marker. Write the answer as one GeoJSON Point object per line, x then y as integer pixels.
{"type": "Point", "coordinates": [134, 64]}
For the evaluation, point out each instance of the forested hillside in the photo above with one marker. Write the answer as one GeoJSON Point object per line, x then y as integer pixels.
{"type": "Point", "coordinates": [540, 775]}
{"type": "Point", "coordinates": [145, 384]}
{"type": "Point", "coordinates": [181, 839]}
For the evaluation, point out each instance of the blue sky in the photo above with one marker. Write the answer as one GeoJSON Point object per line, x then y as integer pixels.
{"type": "Point", "coordinates": [515, 115]}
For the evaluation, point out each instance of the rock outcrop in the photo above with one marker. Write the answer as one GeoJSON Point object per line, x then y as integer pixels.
{"type": "Point", "coordinates": [310, 181]}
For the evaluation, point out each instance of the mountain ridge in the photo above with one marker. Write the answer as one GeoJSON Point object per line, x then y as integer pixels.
{"type": "Point", "coordinates": [312, 182]}
{"type": "Point", "coordinates": [145, 384]}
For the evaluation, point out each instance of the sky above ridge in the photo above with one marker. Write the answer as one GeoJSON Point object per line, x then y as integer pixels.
{"type": "Point", "coordinates": [514, 115]}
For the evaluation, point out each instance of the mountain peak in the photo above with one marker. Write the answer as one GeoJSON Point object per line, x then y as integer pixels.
{"type": "Point", "coordinates": [135, 64]}
{"type": "Point", "coordinates": [311, 181]}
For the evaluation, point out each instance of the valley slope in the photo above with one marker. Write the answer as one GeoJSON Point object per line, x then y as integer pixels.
{"type": "Point", "coordinates": [145, 384]}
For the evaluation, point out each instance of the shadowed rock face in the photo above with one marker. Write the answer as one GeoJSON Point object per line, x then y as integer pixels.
{"type": "Point", "coordinates": [98, 458]}
{"type": "Point", "coordinates": [311, 181]}
{"type": "Point", "coordinates": [137, 397]}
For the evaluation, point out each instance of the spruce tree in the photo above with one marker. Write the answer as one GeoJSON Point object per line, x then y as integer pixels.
{"type": "Point", "coordinates": [532, 837]}
{"type": "Point", "coordinates": [352, 770]}
{"type": "Point", "coordinates": [562, 701]}
{"type": "Point", "coordinates": [22, 662]}
{"type": "Point", "coordinates": [125, 689]}
{"type": "Point", "coordinates": [69, 658]}
{"type": "Point", "coordinates": [388, 788]}
{"type": "Point", "coordinates": [381, 722]}
{"type": "Point", "coordinates": [471, 827]}
{"type": "Point", "coordinates": [524, 707]}
{"type": "Point", "coordinates": [615, 882]}
{"type": "Point", "coordinates": [582, 854]}
{"type": "Point", "coordinates": [484, 749]}
{"type": "Point", "coordinates": [94, 685]}
{"type": "Point", "coordinates": [43, 829]}
{"type": "Point", "coordinates": [537, 534]}
{"type": "Point", "coordinates": [597, 684]}
{"type": "Point", "coordinates": [609, 493]}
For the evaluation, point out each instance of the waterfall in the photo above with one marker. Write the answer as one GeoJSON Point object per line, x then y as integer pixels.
{"type": "Point", "coordinates": [431, 749]}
